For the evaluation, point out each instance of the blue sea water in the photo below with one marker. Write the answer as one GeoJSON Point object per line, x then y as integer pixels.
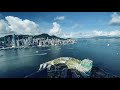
{"type": "Point", "coordinates": [17, 63]}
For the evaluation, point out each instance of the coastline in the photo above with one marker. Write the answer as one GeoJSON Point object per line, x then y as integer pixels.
{"type": "Point", "coordinates": [20, 47]}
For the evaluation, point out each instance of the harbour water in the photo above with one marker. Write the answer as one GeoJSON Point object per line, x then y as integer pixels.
{"type": "Point", "coordinates": [17, 63]}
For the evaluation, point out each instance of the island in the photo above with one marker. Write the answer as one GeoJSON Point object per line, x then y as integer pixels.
{"type": "Point", "coordinates": [68, 67]}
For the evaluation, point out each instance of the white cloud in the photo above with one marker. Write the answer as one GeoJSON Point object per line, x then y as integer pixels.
{"type": "Point", "coordinates": [59, 18]}
{"type": "Point", "coordinates": [75, 26]}
{"type": "Point", "coordinates": [20, 26]}
{"type": "Point", "coordinates": [98, 33]}
{"type": "Point", "coordinates": [82, 34]}
{"type": "Point", "coordinates": [4, 29]}
{"type": "Point", "coordinates": [114, 33]}
{"type": "Point", "coordinates": [3, 26]}
{"type": "Point", "coordinates": [56, 30]}
{"type": "Point", "coordinates": [115, 19]}
{"type": "Point", "coordinates": [110, 33]}
{"type": "Point", "coordinates": [67, 35]}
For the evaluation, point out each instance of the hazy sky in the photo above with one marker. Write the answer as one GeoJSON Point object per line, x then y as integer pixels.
{"type": "Point", "coordinates": [63, 24]}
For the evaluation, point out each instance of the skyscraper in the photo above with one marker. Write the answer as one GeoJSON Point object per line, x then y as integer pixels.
{"type": "Point", "coordinates": [5, 41]}
{"type": "Point", "coordinates": [14, 40]}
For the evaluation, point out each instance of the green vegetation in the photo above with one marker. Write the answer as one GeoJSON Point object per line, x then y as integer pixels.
{"type": "Point", "coordinates": [57, 61]}
{"type": "Point", "coordinates": [86, 63]}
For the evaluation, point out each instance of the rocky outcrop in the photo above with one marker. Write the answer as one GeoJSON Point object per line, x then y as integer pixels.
{"type": "Point", "coordinates": [66, 67]}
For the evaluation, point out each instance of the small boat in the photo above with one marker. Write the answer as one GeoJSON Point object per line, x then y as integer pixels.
{"type": "Point", "coordinates": [108, 44]}
{"type": "Point", "coordinates": [37, 51]}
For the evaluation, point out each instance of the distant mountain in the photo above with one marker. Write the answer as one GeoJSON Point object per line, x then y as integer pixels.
{"type": "Point", "coordinates": [53, 36]}
{"type": "Point", "coordinates": [69, 38]}
{"type": "Point", "coordinates": [105, 37]}
{"type": "Point", "coordinates": [44, 35]}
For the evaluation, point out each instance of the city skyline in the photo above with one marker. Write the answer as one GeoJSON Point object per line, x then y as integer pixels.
{"type": "Point", "coordinates": [61, 24]}
{"type": "Point", "coordinates": [23, 41]}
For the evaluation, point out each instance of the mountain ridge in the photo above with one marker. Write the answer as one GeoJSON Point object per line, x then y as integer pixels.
{"type": "Point", "coordinates": [43, 35]}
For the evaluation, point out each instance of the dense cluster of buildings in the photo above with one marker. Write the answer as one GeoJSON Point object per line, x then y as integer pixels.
{"type": "Point", "coordinates": [30, 41]}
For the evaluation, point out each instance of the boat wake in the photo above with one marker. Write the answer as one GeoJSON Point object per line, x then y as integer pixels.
{"type": "Point", "coordinates": [46, 50]}
{"type": "Point", "coordinates": [34, 55]}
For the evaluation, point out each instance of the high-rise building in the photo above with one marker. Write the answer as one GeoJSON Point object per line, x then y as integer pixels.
{"type": "Point", "coordinates": [5, 41]}
{"type": "Point", "coordinates": [14, 41]}
{"type": "Point", "coordinates": [18, 43]}
{"type": "Point", "coordinates": [30, 40]}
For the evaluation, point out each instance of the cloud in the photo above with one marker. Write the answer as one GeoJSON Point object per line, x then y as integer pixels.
{"type": "Point", "coordinates": [82, 34]}
{"type": "Point", "coordinates": [4, 29]}
{"type": "Point", "coordinates": [20, 26]}
{"type": "Point", "coordinates": [95, 33]}
{"type": "Point", "coordinates": [75, 26]}
{"type": "Point", "coordinates": [56, 29]}
{"type": "Point", "coordinates": [99, 33]}
{"type": "Point", "coordinates": [59, 18]}
{"type": "Point", "coordinates": [3, 26]}
{"type": "Point", "coordinates": [67, 35]}
{"type": "Point", "coordinates": [115, 20]}
{"type": "Point", "coordinates": [103, 33]}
